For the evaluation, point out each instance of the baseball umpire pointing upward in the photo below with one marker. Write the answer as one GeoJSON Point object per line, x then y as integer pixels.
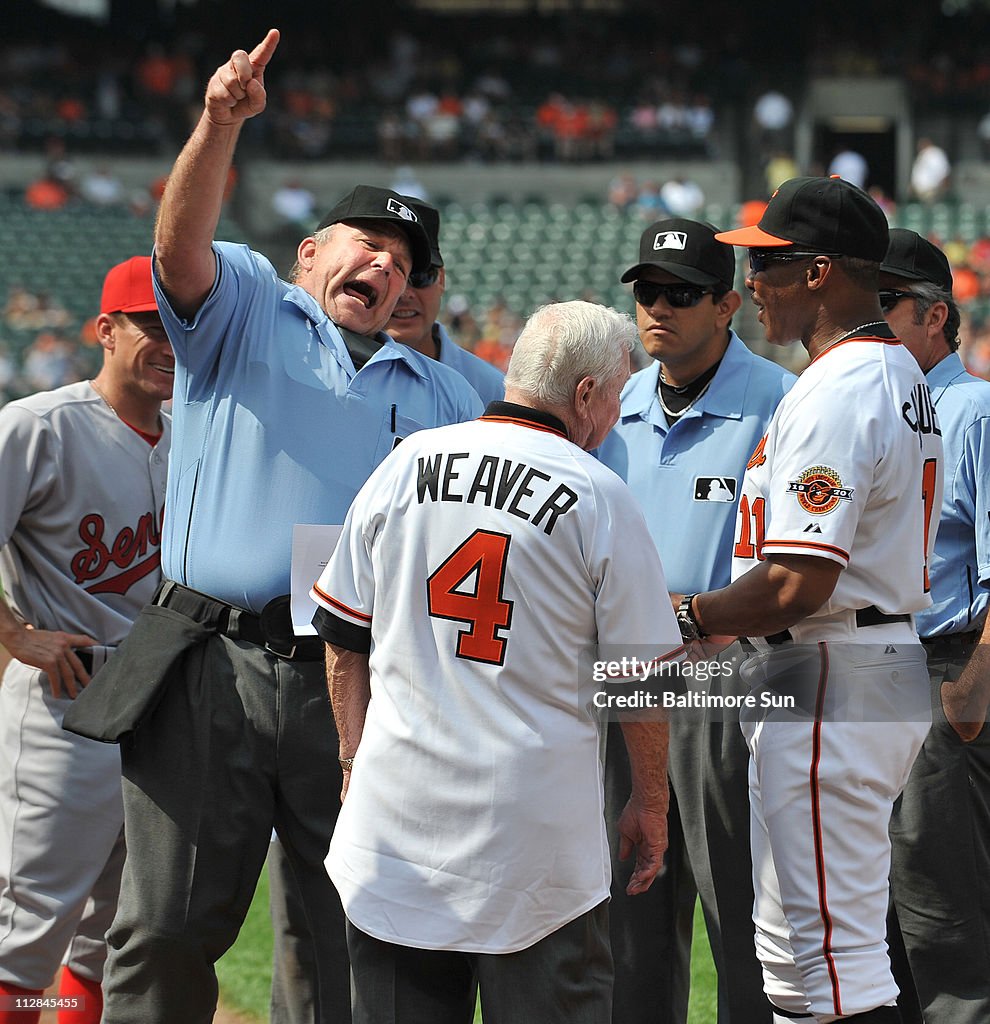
{"type": "Point", "coordinates": [834, 531]}
{"type": "Point", "coordinates": [287, 395]}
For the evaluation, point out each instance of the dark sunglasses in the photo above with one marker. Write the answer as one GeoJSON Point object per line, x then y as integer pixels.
{"type": "Point", "coordinates": [889, 297]}
{"type": "Point", "coordinates": [759, 259]}
{"type": "Point", "coordinates": [423, 278]}
{"type": "Point", "coordinates": [680, 296]}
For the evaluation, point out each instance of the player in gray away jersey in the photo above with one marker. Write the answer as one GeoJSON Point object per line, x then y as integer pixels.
{"type": "Point", "coordinates": [83, 470]}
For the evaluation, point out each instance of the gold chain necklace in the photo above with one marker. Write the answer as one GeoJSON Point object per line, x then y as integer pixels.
{"type": "Point", "coordinates": [106, 401]}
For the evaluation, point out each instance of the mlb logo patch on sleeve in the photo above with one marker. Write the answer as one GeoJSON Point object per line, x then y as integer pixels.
{"type": "Point", "coordinates": [715, 488]}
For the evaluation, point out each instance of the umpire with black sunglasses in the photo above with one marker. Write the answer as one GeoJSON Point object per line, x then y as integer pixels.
{"type": "Point", "coordinates": [940, 828]}
{"type": "Point", "coordinates": [414, 320]}
{"type": "Point", "coordinates": [689, 423]}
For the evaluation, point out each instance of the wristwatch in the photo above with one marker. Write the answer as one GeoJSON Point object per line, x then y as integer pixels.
{"type": "Point", "coordinates": [687, 622]}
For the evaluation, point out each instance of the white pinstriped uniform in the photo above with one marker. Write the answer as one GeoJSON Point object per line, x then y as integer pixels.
{"type": "Point", "coordinates": [851, 471]}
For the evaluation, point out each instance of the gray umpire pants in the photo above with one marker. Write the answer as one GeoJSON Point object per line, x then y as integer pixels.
{"type": "Point", "coordinates": [940, 869]}
{"type": "Point", "coordinates": [708, 855]}
{"type": "Point", "coordinates": [565, 978]}
{"type": "Point", "coordinates": [241, 741]}
{"type": "Point", "coordinates": [294, 988]}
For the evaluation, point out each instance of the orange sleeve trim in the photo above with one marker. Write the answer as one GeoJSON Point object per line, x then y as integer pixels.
{"type": "Point", "coordinates": [659, 659]}
{"type": "Point", "coordinates": [808, 545]}
{"type": "Point", "coordinates": [670, 655]}
{"type": "Point", "coordinates": [339, 605]}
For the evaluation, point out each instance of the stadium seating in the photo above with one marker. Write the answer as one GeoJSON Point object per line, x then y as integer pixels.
{"type": "Point", "coordinates": [525, 253]}
{"type": "Point", "coordinates": [67, 252]}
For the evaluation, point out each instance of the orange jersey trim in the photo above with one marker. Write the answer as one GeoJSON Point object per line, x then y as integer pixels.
{"type": "Point", "coordinates": [522, 423]}
{"type": "Point", "coordinates": [872, 338]}
{"type": "Point", "coordinates": [806, 544]}
{"type": "Point", "coordinates": [340, 605]}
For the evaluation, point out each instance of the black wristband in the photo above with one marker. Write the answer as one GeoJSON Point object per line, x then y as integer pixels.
{"type": "Point", "coordinates": [687, 621]}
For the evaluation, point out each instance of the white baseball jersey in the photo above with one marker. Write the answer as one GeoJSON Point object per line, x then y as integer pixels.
{"type": "Point", "coordinates": [850, 470]}
{"type": "Point", "coordinates": [486, 558]}
{"type": "Point", "coordinates": [832, 475]}
{"type": "Point", "coordinates": [80, 513]}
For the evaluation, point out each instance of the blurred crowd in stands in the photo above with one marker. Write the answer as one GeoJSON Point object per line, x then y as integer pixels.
{"type": "Point", "coordinates": [480, 95]}
{"type": "Point", "coordinates": [570, 88]}
{"type": "Point", "coordinates": [566, 89]}
{"type": "Point", "coordinates": [42, 345]}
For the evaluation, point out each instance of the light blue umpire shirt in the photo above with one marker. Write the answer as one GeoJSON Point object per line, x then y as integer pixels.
{"type": "Point", "coordinates": [688, 477]}
{"type": "Point", "coordinates": [960, 568]}
{"type": "Point", "coordinates": [487, 380]}
{"type": "Point", "coordinates": [272, 426]}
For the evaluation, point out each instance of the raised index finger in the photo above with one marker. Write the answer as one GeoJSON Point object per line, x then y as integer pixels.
{"type": "Point", "coordinates": [262, 53]}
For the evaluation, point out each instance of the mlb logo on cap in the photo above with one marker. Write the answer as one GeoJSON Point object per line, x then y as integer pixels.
{"type": "Point", "coordinates": [394, 206]}
{"type": "Point", "coordinates": [670, 240]}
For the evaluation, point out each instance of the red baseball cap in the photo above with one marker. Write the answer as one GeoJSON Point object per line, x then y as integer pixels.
{"type": "Point", "coordinates": [127, 287]}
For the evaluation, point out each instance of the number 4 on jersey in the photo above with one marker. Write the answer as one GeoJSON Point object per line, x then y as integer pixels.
{"type": "Point", "coordinates": [485, 610]}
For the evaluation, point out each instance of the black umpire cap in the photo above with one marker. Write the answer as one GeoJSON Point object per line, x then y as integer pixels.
{"type": "Point", "coordinates": [429, 217]}
{"type": "Point", "coordinates": [688, 250]}
{"type": "Point", "coordinates": [367, 202]}
{"type": "Point", "coordinates": [911, 256]}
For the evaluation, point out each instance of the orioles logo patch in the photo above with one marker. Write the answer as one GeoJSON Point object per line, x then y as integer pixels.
{"type": "Point", "coordinates": [759, 455]}
{"type": "Point", "coordinates": [819, 490]}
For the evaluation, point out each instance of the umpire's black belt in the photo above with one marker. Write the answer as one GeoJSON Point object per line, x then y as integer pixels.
{"type": "Point", "coordinates": [952, 640]}
{"type": "Point", "coordinates": [89, 661]}
{"type": "Point", "coordinates": [868, 616]}
{"type": "Point", "coordinates": [272, 629]}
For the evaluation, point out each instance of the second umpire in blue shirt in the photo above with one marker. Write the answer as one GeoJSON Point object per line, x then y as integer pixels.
{"type": "Point", "coordinates": [688, 425]}
{"type": "Point", "coordinates": [940, 829]}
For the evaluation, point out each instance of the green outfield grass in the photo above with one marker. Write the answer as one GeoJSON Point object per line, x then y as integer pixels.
{"type": "Point", "coordinates": [245, 972]}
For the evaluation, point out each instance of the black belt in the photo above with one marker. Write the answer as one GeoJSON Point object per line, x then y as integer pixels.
{"type": "Point", "coordinates": [868, 616]}
{"type": "Point", "coordinates": [272, 629]}
{"type": "Point", "coordinates": [85, 655]}
{"type": "Point", "coordinates": [953, 639]}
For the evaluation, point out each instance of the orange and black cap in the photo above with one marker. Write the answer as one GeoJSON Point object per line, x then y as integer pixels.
{"type": "Point", "coordinates": [826, 215]}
